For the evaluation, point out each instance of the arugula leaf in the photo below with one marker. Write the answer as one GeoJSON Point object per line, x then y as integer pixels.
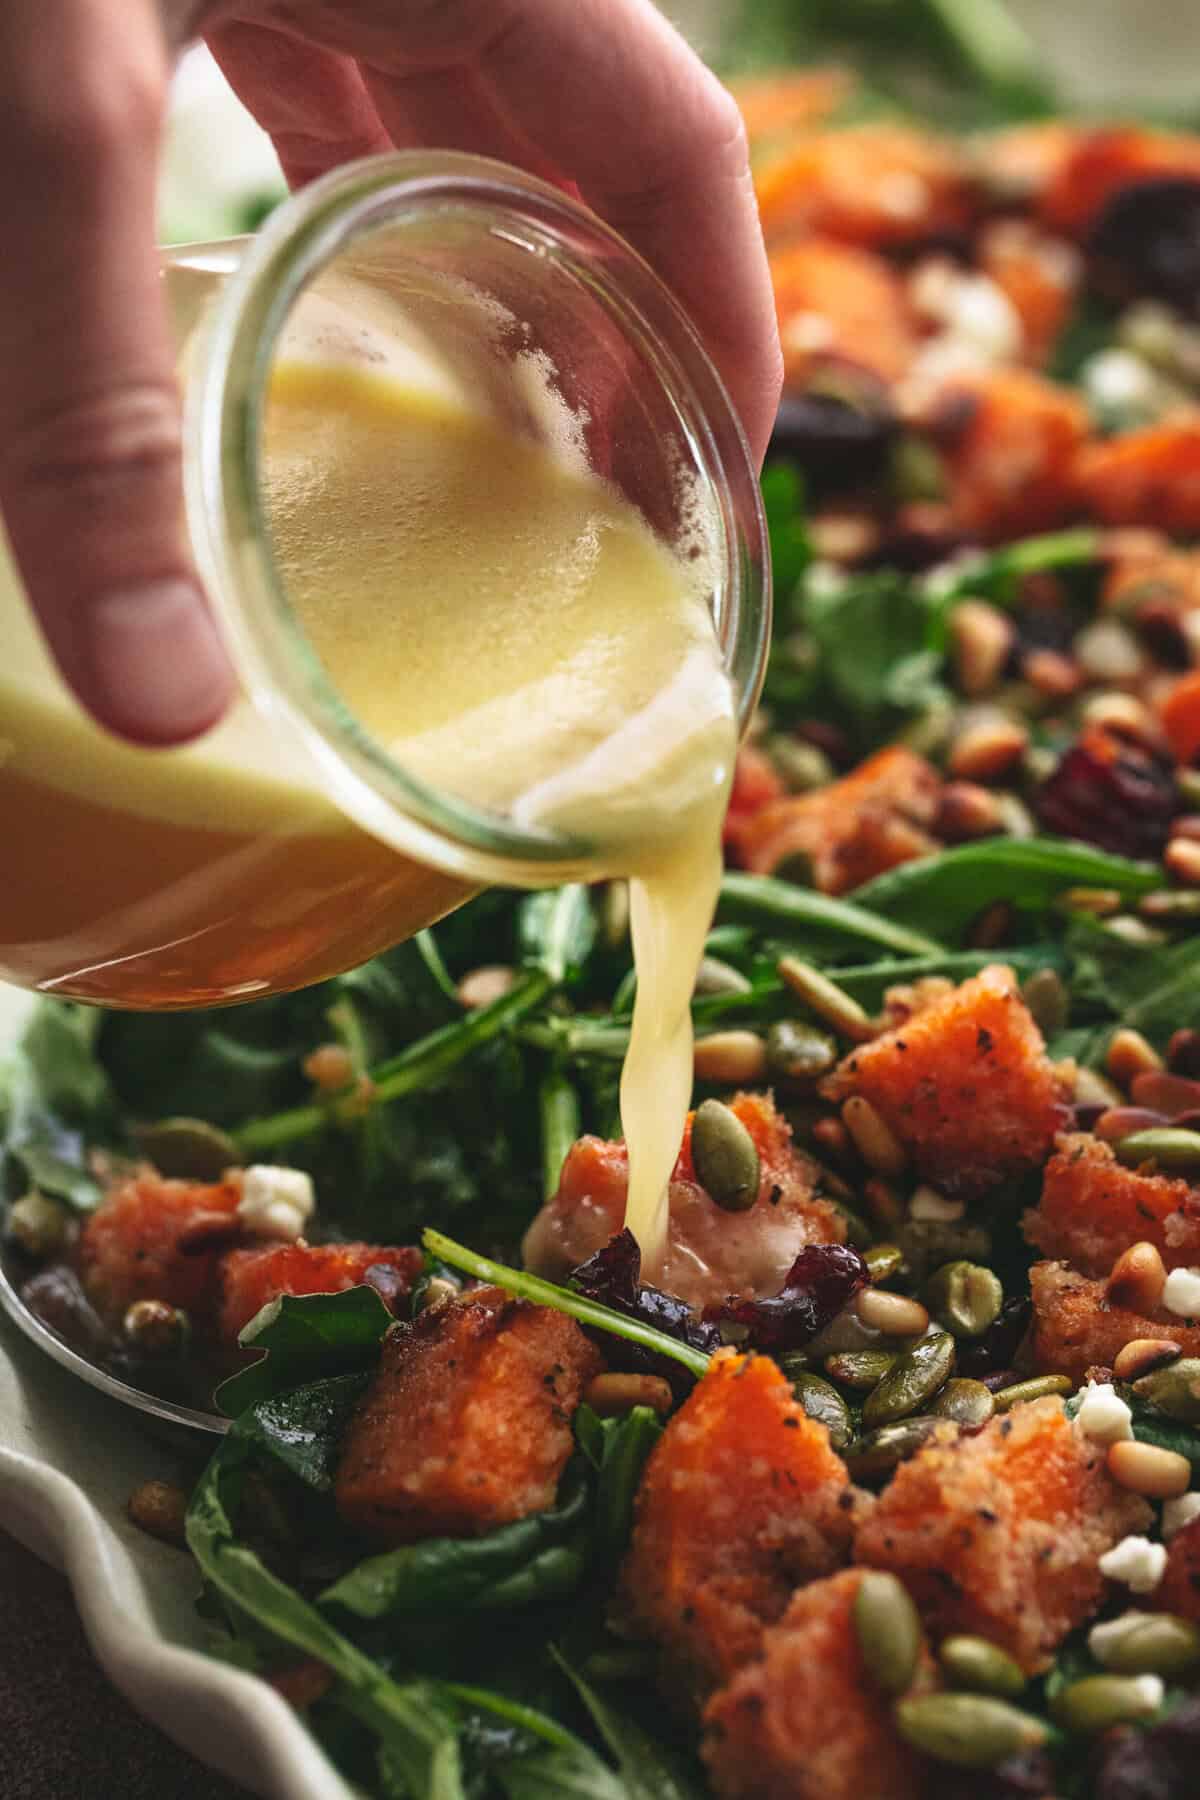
{"type": "Point", "coordinates": [618, 1449]}
{"type": "Point", "coordinates": [881, 640]}
{"type": "Point", "coordinates": [951, 889]}
{"type": "Point", "coordinates": [305, 1335]}
{"type": "Point", "coordinates": [779, 905]}
{"type": "Point", "coordinates": [1150, 988]}
{"type": "Point", "coordinates": [538, 1558]}
{"type": "Point", "coordinates": [556, 931]}
{"type": "Point", "coordinates": [649, 1770]}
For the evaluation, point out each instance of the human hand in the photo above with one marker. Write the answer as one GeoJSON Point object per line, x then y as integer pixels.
{"type": "Point", "coordinates": [602, 93]}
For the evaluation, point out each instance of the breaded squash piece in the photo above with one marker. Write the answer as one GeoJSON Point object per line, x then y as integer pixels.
{"type": "Point", "coordinates": [998, 1534]}
{"type": "Point", "coordinates": [837, 300]}
{"type": "Point", "coordinates": [742, 1499]}
{"type": "Point", "coordinates": [1179, 1590]}
{"type": "Point", "coordinates": [1075, 1329]}
{"type": "Point", "coordinates": [153, 1239]}
{"type": "Point", "coordinates": [467, 1424]}
{"type": "Point", "coordinates": [1103, 162]}
{"type": "Point", "coordinates": [1092, 1208]}
{"type": "Point", "coordinates": [966, 1085]}
{"type": "Point", "coordinates": [710, 1253]}
{"type": "Point", "coordinates": [1019, 162]}
{"type": "Point", "coordinates": [755, 781]}
{"type": "Point", "coordinates": [878, 816]}
{"type": "Point", "coordinates": [1011, 465]}
{"type": "Point", "coordinates": [250, 1279]}
{"type": "Point", "coordinates": [1149, 477]}
{"type": "Point", "coordinates": [806, 1722]}
{"type": "Point", "coordinates": [882, 185]}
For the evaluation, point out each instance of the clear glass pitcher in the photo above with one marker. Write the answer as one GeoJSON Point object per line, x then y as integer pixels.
{"type": "Point", "coordinates": [288, 844]}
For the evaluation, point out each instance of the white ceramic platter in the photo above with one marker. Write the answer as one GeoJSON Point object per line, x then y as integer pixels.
{"type": "Point", "coordinates": [69, 1459]}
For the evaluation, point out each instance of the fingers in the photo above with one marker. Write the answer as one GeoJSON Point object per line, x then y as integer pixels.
{"type": "Point", "coordinates": [89, 426]}
{"type": "Point", "coordinates": [312, 102]}
{"type": "Point", "coordinates": [614, 99]}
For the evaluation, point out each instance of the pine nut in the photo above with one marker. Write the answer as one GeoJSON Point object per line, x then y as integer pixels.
{"type": "Point", "coordinates": [1121, 712]}
{"type": "Point", "coordinates": [927, 1204]}
{"type": "Point", "coordinates": [483, 986]}
{"type": "Point", "coordinates": [1141, 1355]}
{"type": "Point", "coordinates": [895, 1315]}
{"type": "Point", "coordinates": [330, 1067]}
{"type": "Point", "coordinates": [1130, 1055]}
{"type": "Point", "coordinates": [830, 1002]}
{"type": "Point", "coordinates": [967, 811]}
{"type": "Point", "coordinates": [1182, 858]}
{"type": "Point", "coordinates": [874, 1139]}
{"type": "Point", "coordinates": [1053, 674]}
{"type": "Point", "coordinates": [981, 637]}
{"type": "Point", "coordinates": [1100, 903]}
{"type": "Point", "coordinates": [1122, 1121]}
{"type": "Point", "coordinates": [1146, 1469]}
{"type": "Point", "coordinates": [986, 749]}
{"type": "Point", "coordinates": [1137, 1279]}
{"type": "Point", "coordinates": [730, 1058]}
{"type": "Point", "coordinates": [612, 1394]}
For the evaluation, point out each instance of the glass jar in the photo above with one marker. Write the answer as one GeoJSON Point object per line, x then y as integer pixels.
{"type": "Point", "coordinates": [289, 845]}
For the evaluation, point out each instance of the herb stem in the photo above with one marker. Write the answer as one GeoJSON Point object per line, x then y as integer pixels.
{"type": "Point", "coordinates": [761, 899]}
{"type": "Point", "coordinates": [558, 1104]}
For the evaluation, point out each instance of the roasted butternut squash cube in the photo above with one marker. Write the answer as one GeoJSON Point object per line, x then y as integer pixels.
{"type": "Point", "coordinates": [965, 1085]}
{"type": "Point", "coordinates": [742, 1499]}
{"type": "Point", "coordinates": [1092, 1208]}
{"type": "Point", "coordinates": [250, 1279]}
{"type": "Point", "coordinates": [1011, 464]}
{"type": "Point", "coordinates": [1076, 1329]}
{"type": "Point", "coordinates": [804, 1721]}
{"type": "Point", "coordinates": [1149, 477]}
{"type": "Point", "coordinates": [467, 1424]}
{"type": "Point", "coordinates": [998, 1534]}
{"type": "Point", "coordinates": [1179, 1590]}
{"type": "Point", "coordinates": [153, 1239]}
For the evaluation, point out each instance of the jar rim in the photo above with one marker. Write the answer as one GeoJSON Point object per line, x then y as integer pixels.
{"type": "Point", "coordinates": [225, 407]}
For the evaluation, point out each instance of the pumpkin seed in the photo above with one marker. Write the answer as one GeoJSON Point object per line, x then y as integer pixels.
{"type": "Point", "coordinates": [879, 1452]}
{"type": "Point", "coordinates": [187, 1149]}
{"type": "Point", "coordinates": [972, 1731]}
{"type": "Point", "coordinates": [798, 868]}
{"type": "Point", "coordinates": [964, 1401]}
{"type": "Point", "coordinates": [799, 1052]}
{"type": "Point", "coordinates": [1167, 1145]}
{"type": "Point", "coordinates": [981, 1667]}
{"type": "Point", "coordinates": [888, 1629]}
{"type": "Point", "coordinates": [914, 1379]}
{"type": "Point", "coordinates": [883, 1260]}
{"type": "Point", "coordinates": [1036, 1388]}
{"type": "Point", "coordinates": [1147, 1644]}
{"type": "Point", "coordinates": [802, 765]}
{"type": "Point", "coordinates": [1100, 1701]}
{"type": "Point", "coordinates": [717, 977]}
{"type": "Point", "coordinates": [861, 1369]}
{"type": "Point", "coordinates": [725, 1157]}
{"type": "Point", "coordinates": [964, 1298]}
{"type": "Point", "coordinates": [928, 1243]}
{"type": "Point", "coordinates": [821, 1401]}
{"type": "Point", "coordinates": [1174, 1390]}
{"type": "Point", "coordinates": [38, 1224]}
{"type": "Point", "coordinates": [1046, 996]}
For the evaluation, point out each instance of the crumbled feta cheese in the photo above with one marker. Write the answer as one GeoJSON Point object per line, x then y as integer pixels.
{"type": "Point", "coordinates": [1178, 1513]}
{"type": "Point", "coordinates": [1104, 1640]}
{"type": "Point", "coordinates": [1103, 1415]}
{"type": "Point", "coordinates": [927, 1203]}
{"type": "Point", "coordinates": [1136, 1562]}
{"type": "Point", "coordinates": [1151, 1689]}
{"type": "Point", "coordinates": [807, 332]}
{"type": "Point", "coordinates": [275, 1202]}
{"type": "Point", "coordinates": [1181, 1295]}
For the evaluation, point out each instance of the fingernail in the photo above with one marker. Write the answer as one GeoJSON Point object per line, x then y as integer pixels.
{"type": "Point", "coordinates": [156, 669]}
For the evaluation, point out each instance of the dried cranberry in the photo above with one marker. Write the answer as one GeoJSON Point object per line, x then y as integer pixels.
{"type": "Point", "coordinates": [1147, 241]}
{"type": "Point", "coordinates": [838, 440]}
{"type": "Point", "coordinates": [996, 1350]}
{"type": "Point", "coordinates": [611, 1276]}
{"type": "Point", "coordinates": [1156, 1764]}
{"type": "Point", "coordinates": [1160, 628]}
{"type": "Point", "coordinates": [1110, 792]}
{"type": "Point", "coordinates": [388, 1283]}
{"type": "Point", "coordinates": [820, 1282]}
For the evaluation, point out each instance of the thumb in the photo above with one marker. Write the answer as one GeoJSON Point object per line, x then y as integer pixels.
{"type": "Point", "coordinates": [89, 416]}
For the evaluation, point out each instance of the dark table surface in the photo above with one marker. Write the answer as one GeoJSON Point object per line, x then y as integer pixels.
{"type": "Point", "coordinates": [65, 1734]}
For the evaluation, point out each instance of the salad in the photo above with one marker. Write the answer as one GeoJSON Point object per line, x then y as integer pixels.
{"type": "Point", "coordinates": [888, 1483]}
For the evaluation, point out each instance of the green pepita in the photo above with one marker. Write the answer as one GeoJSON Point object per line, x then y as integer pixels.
{"type": "Point", "coordinates": [1036, 1388]}
{"type": "Point", "coordinates": [861, 1369]}
{"type": "Point", "coordinates": [717, 977]}
{"type": "Point", "coordinates": [965, 1402]}
{"type": "Point", "coordinates": [877, 1453]}
{"type": "Point", "coordinates": [802, 765]}
{"type": "Point", "coordinates": [1174, 1390]}
{"type": "Point", "coordinates": [725, 1157]}
{"type": "Point", "coordinates": [913, 1380]}
{"type": "Point", "coordinates": [888, 1629]}
{"type": "Point", "coordinates": [187, 1149]}
{"type": "Point", "coordinates": [1100, 1701]}
{"type": "Point", "coordinates": [799, 1052]}
{"type": "Point", "coordinates": [821, 1401]}
{"type": "Point", "coordinates": [1147, 1644]}
{"type": "Point", "coordinates": [798, 869]}
{"type": "Point", "coordinates": [981, 1667]}
{"type": "Point", "coordinates": [1167, 1145]}
{"type": "Point", "coordinates": [965, 1298]}
{"type": "Point", "coordinates": [1045, 994]}
{"type": "Point", "coordinates": [928, 1243]}
{"type": "Point", "coordinates": [883, 1261]}
{"type": "Point", "coordinates": [973, 1731]}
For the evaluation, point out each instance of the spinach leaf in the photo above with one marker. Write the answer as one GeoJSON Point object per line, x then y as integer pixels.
{"type": "Point", "coordinates": [39, 1150]}
{"type": "Point", "coordinates": [947, 891]}
{"type": "Point", "coordinates": [791, 546]}
{"type": "Point", "coordinates": [305, 1335]}
{"type": "Point", "coordinates": [60, 1045]}
{"type": "Point", "coordinates": [533, 1560]}
{"type": "Point", "coordinates": [880, 640]}
{"type": "Point", "coordinates": [1151, 988]}
{"type": "Point", "coordinates": [303, 1429]}
{"type": "Point", "coordinates": [618, 1450]}
{"type": "Point", "coordinates": [779, 906]}
{"type": "Point", "coordinates": [650, 1770]}
{"type": "Point", "coordinates": [1151, 1427]}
